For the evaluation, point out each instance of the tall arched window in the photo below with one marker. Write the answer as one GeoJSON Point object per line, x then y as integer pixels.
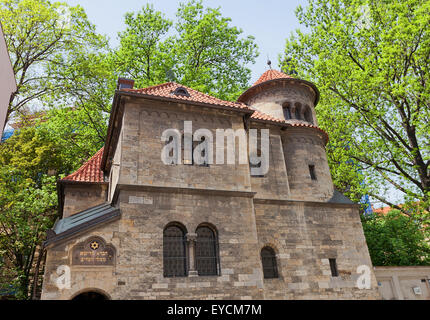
{"type": "Point", "coordinates": [174, 251]}
{"type": "Point", "coordinates": [297, 111]}
{"type": "Point", "coordinates": [206, 252]}
{"type": "Point", "coordinates": [308, 114]}
{"type": "Point", "coordinates": [268, 259]}
{"type": "Point", "coordinates": [286, 109]}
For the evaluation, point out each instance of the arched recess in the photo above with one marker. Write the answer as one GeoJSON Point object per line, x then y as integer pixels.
{"type": "Point", "coordinates": [91, 294]}
{"type": "Point", "coordinates": [297, 111]}
{"type": "Point", "coordinates": [174, 250]}
{"type": "Point", "coordinates": [269, 262]}
{"type": "Point", "coordinates": [286, 107]}
{"type": "Point", "coordinates": [207, 250]}
{"type": "Point", "coordinates": [308, 114]}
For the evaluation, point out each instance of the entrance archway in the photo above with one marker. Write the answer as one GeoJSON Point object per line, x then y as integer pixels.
{"type": "Point", "coordinates": [90, 295]}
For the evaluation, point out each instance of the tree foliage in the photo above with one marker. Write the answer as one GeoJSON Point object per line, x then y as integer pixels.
{"type": "Point", "coordinates": [370, 59]}
{"type": "Point", "coordinates": [201, 50]}
{"type": "Point", "coordinates": [396, 240]}
{"type": "Point", "coordinates": [51, 46]}
{"type": "Point", "coordinates": [30, 163]}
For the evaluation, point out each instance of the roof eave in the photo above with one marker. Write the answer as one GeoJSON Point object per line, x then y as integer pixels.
{"type": "Point", "coordinates": [54, 238]}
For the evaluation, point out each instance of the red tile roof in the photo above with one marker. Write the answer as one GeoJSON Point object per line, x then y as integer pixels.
{"type": "Point", "coordinates": [90, 171]}
{"type": "Point", "coordinates": [383, 210]}
{"type": "Point", "coordinates": [166, 90]}
{"type": "Point", "coordinates": [258, 115]}
{"type": "Point", "coordinates": [271, 75]}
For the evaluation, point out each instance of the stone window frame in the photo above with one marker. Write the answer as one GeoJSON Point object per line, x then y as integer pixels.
{"type": "Point", "coordinates": [274, 260]}
{"type": "Point", "coordinates": [216, 256]}
{"type": "Point", "coordinates": [185, 249]}
{"type": "Point", "coordinates": [312, 172]}
{"type": "Point", "coordinates": [333, 267]}
{"type": "Point", "coordinates": [190, 250]}
{"type": "Point", "coordinates": [286, 107]}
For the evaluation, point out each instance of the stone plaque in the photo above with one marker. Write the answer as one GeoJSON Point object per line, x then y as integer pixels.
{"type": "Point", "coordinates": [94, 251]}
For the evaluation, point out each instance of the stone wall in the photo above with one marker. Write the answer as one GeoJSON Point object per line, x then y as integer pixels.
{"type": "Point", "coordinates": [274, 184]}
{"type": "Point", "coordinates": [403, 283]}
{"type": "Point", "coordinates": [78, 197]}
{"type": "Point", "coordinates": [271, 98]}
{"type": "Point", "coordinates": [304, 147]}
{"type": "Point", "coordinates": [142, 146]}
{"type": "Point", "coordinates": [138, 238]}
{"type": "Point", "coordinates": [304, 236]}
{"type": "Point", "coordinates": [247, 212]}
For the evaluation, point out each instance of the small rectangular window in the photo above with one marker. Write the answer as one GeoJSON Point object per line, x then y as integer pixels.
{"type": "Point", "coordinates": [333, 267]}
{"type": "Point", "coordinates": [312, 172]}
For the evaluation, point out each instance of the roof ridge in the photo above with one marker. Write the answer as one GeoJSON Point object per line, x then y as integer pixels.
{"type": "Point", "coordinates": [271, 74]}
{"type": "Point", "coordinates": [160, 90]}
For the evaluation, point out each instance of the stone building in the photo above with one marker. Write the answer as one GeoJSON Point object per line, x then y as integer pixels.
{"type": "Point", "coordinates": [133, 227]}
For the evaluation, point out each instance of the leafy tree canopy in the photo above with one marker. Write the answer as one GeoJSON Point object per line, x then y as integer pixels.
{"type": "Point", "coordinates": [30, 164]}
{"type": "Point", "coordinates": [204, 51]}
{"type": "Point", "coordinates": [54, 49]}
{"type": "Point", "coordinates": [396, 240]}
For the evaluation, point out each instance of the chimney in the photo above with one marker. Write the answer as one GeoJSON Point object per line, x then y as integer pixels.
{"type": "Point", "coordinates": [124, 83]}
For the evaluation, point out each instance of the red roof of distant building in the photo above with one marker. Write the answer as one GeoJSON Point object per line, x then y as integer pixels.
{"type": "Point", "coordinates": [383, 210]}
{"type": "Point", "coordinates": [167, 90]}
{"type": "Point", "coordinates": [271, 75]}
{"type": "Point", "coordinates": [90, 171]}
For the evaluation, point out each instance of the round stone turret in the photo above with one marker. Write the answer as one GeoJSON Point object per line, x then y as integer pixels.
{"type": "Point", "coordinates": [303, 143]}
{"type": "Point", "coordinates": [284, 97]}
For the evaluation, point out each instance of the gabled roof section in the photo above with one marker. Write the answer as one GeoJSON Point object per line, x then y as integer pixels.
{"type": "Point", "coordinates": [90, 171]}
{"type": "Point", "coordinates": [271, 75]}
{"type": "Point", "coordinates": [170, 90]}
{"type": "Point", "coordinates": [82, 221]}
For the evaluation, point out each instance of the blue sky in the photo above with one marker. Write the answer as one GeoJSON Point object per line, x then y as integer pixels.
{"type": "Point", "coordinates": [269, 21]}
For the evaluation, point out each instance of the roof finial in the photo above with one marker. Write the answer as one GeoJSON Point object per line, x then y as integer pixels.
{"type": "Point", "coordinates": [269, 63]}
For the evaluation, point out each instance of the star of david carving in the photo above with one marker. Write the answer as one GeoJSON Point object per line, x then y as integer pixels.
{"type": "Point", "coordinates": [94, 245]}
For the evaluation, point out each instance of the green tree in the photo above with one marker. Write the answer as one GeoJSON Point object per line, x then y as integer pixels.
{"type": "Point", "coordinates": [396, 240]}
{"type": "Point", "coordinates": [370, 59]}
{"type": "Point", "coordinates": [142, 53]}
{"type": "Point", "coordinates": [202, 51]}
{"type": "Point", "coordinates": [55, 52]}
{"type": "Point", "coordinates": [30, 164]}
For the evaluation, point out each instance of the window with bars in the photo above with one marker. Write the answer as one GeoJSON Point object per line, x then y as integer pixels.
{"type": "Point", "coordinates": [174, 252]}
{"type": "Point", "coordinates": [206, 252]}
{"type": "Point", "coordinates": [268, 259]}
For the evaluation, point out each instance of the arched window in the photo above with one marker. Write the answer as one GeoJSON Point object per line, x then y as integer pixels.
{"type": "Point", "coordinates": [90, 295]}
{"type": "Point", "coordinates": [287, 111]}
{"type": "Point", "coordinates": [174, 252]}
{"type": "Point", "coordinates": [297, 111]}
{"type": "Point", "coordinates": [308, 115]}
{"type": "Point", "coordinates": [268, 259]}
{"type": "Point", "coordinates": [206, 252]}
